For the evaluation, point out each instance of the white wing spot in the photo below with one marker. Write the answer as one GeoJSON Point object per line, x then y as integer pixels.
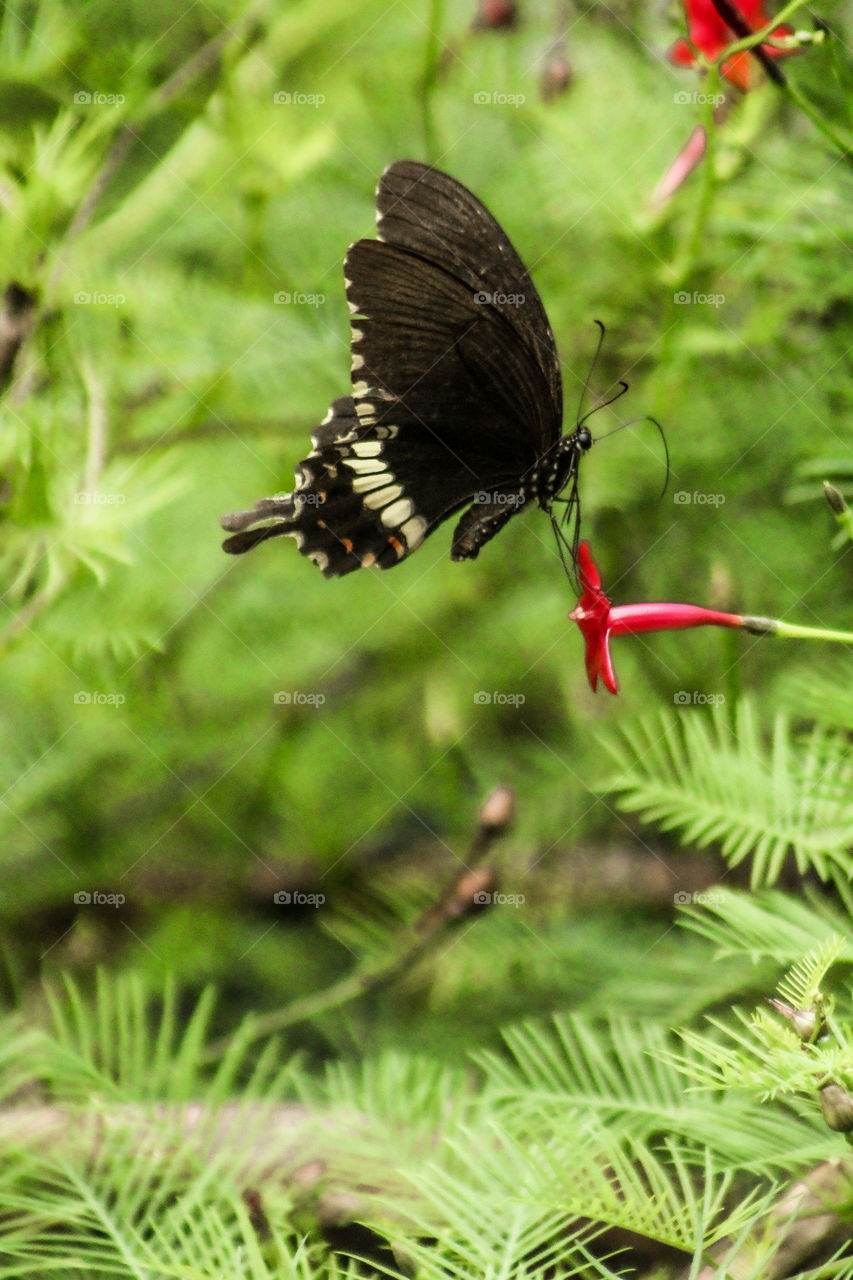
{"type": "Point", "coordinates": [367, 448]}
{"type": "Point", "coordinates": [414, 531]}
{"type": "Point", "coordinates": [398, 513]}
{"type": "Point", "coordinates": [366, 466]}
{"type": "Point", "coordinates": [365, 484]}
{"type": "Point", "coordinates": [382, 497]}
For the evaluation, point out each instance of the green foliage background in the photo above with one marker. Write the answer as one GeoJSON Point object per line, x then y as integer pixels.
{"type": "Point", "coordinates": [162, 382]}
{"type": "Point", "coordinates": [194, 395]}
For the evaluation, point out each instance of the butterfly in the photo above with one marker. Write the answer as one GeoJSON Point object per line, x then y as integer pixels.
{"type": "Point", "coordinates": [456, 401]}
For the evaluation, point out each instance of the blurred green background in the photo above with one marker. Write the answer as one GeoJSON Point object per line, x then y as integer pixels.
{"type": "Point", "coordinates": [143, 750]}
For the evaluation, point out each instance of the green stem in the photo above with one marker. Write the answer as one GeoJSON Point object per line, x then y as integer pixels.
{"type": "Point", "coordinates": [828, 130]}
{"type": "Point", "coordinates": [792, 631]}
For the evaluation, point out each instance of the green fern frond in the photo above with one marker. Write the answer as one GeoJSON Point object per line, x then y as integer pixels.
{"type": "Point", "coordinates": [802, 985]}
{"type": "Point", "coordinates": [769, 926]}
{"type": "Point", "coordinates": [824, 690]}
{"type": "Point", "coordinates": [624, 1074]}
{"type": "Point", "coordinates": [718, 782]}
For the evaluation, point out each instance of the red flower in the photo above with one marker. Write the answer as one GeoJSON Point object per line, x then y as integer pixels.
{"type": "Point", "coordinates": [599, 620]}
{"type": "Point", "coordinates": [711, 35]}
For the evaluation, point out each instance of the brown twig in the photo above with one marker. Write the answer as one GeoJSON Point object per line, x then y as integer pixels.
{"type": "Point", "coordinates": [464, 897]}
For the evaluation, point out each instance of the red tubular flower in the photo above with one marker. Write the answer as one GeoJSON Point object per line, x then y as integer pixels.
{"type": "Point", "coordinates": [599, 620]}
{"type": "Point", "coordinates": [711, 34]}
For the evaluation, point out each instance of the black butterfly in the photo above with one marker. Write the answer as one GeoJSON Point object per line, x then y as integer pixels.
{"type": "Point", "coordinates": [456, 399]}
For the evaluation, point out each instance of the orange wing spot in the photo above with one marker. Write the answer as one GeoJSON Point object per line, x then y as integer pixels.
{"type": "Point", "coordinates": [347, 544]}
{"type": "Point", "coordinates": [321, 494]}
{"type": "Point", "coordinates": [321, 524]}
{"type": "Point", "coordinates": [398, 547]}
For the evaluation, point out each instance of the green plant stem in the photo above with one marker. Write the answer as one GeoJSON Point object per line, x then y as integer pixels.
{"type": "Point", "coordinates": [793, 631]}
{"type": "Point", "coordinates": [414, 944]}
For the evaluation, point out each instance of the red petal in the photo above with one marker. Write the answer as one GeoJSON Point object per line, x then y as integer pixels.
{"type": "Point", "coordinates": [590, 577]}
{"type": "Point", "coordinates": [632, 619]}
{"type": "Point", "coordinates": [681, 54]}
{"type": "Point", "coordinates": [737, 69]}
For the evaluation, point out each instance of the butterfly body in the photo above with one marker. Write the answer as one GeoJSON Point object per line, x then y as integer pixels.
{"type": "Point", "coordinates": [456, 397]}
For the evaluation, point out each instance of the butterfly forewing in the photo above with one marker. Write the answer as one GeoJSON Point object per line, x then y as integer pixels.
{"type": "Point", "coordinates": [431, 214]}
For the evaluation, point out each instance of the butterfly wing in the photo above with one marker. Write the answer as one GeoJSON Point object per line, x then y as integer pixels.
{"type": "Point", "coordinates": [431, 214]}
{"type": "Point", "coordinates": [456, 389]}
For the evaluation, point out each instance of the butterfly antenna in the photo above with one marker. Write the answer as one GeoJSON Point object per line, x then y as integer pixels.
{"type": "Point", "coordinates": [585, 389]}
{"type": "Point", "coordinates": [617, 395]}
